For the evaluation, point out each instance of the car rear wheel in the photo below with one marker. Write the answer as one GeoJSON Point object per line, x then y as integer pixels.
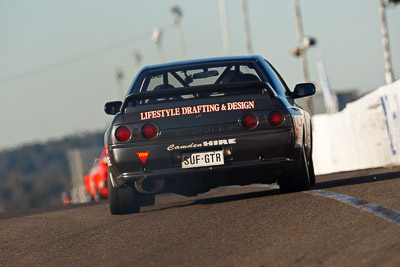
{"type": "Point", "coordinates": [295, 181]}
{"type": "Point", "coordinates": [311, 163]}
{"type": "Point", "coordinates": [123, 200]}
{"type": "Point", "coordinates": [311, 171]}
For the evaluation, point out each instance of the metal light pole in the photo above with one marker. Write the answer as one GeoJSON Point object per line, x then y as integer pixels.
{"type": "Point", "coordinates": [247, 27]}
{"type": "Point", "coordinates": [119, 77]}
{"type": "Point", "coordinates": [137, 58]}
{"type": "Point", "coordinates": [176, 12]}
{"type": "Point", "coordinates": [302, 50]}
{"type": "Point", "coordinates": [157, 37]}
{"type": "Point", "coordinates": [385, 43]}
{"type": "Point", "coordinates": [224, 24]}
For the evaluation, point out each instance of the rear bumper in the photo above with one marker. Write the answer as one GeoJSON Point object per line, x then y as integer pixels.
{"type": "Point", "coordinates": [273, 165]}
{"type": "Point", "coordinates": [268, 154]}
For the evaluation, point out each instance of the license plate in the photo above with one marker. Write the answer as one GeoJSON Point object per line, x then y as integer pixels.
{"type": "Point", "coordinates": [202, 159]}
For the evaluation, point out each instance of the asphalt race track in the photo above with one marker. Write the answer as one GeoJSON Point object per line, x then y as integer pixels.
{"type": "Point", "coordinates": [348, 219]}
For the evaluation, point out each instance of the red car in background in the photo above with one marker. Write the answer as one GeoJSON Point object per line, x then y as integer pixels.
{"type": "Point", "coordinates": [96, 180]}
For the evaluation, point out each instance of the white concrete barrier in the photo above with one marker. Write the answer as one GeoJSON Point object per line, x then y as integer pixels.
{"type": "Point", "coordinates": [366, 134]}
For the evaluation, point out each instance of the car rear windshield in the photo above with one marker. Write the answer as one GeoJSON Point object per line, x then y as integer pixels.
{"type": "Point", "coordinates": [187, 77]}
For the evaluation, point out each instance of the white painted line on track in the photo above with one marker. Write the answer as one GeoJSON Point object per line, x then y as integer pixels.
{"type": "Point", "coordinates": [381, 211]}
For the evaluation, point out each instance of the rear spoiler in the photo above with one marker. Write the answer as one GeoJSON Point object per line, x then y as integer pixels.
{"type": "Point", "coordinates": [264, 86]}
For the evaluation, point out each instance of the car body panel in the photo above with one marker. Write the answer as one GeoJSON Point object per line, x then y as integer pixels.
{"type": "Point", "coordinates": [189, 122]}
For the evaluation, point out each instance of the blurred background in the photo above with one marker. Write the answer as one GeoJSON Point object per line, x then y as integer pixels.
{"type": "Point", "coordinates": [60, 61]}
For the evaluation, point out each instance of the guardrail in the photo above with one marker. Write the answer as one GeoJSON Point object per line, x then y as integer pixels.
{"type": "Point", "coordinates": [366, 134]}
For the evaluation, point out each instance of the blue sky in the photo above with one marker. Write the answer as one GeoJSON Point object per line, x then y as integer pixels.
{"type": "Point", "coordinates": [58, 58]}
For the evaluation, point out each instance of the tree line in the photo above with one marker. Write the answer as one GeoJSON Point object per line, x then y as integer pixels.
{"type": "Point", "coordinates": [34, 176]}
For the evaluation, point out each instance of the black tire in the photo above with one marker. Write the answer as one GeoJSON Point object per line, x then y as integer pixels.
{"type": "Point", "coordinates": [311, 163]}
{"type": "Point", "coordinates": [295, 181]}
{"type": "Point", "coordinates": [311, 171]}
{"type": "Point", "coordinates": [147, 200]}
{"type": "Point", "coordinates": [122, 200]}
{"type": "Point", "coordinates": [128, 200]}
{"type": "Point", "coordinates": [112, 197]}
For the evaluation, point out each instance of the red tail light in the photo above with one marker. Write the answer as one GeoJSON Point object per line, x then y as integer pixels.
{"type": "Point", "coordinates": [149, 131]}
{"type": "Point", "coordinates": [249, 121]}
{"type": "Point", "coordinates": [276, 118]}
{"type": "Point", "coordinates": [123, 134]}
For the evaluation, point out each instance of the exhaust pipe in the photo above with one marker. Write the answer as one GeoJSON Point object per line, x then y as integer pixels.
{"type": "Point", "coordinates": [149, 185]}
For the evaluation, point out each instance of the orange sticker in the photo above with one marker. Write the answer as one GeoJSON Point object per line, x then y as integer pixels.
{"type": "Point", "coordinates": [143, 156]}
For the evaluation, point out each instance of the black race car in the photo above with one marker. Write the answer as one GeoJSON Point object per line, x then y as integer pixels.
{"type": "Point", "coordinates": [190, 126]}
